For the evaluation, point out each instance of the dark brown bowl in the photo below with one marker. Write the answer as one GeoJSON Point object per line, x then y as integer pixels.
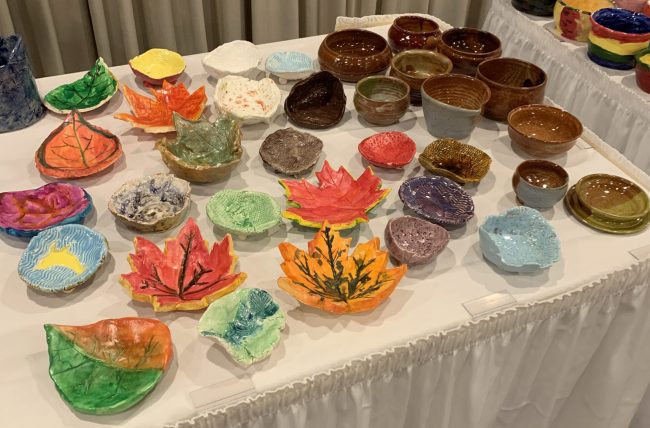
{"type": "Point", "coordinates": [512, 83]}
{"type": "Point", "coordinates": [468, 47]}
{"type": "Point", "coordinates": [351, 55]}
{"type": "Point", "coordinates": [542, 130]}
{"type": "Point", "coordinates": [381, 100]}
{"type": "Point", "coordinates": [413, 32]}
{"type": "Point", "coordinates": [417, 65]}
{"type": "Point", "coordinates": [316, 102]}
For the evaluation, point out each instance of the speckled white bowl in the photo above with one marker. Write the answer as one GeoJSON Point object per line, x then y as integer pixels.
{"type": "Point", "coordinates": [233, 97]}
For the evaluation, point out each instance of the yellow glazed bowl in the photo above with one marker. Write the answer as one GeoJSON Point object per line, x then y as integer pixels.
{"type": "Point", "coordinates": [572, 17]}
{"type": "Point", "coordinates": [156, 65]}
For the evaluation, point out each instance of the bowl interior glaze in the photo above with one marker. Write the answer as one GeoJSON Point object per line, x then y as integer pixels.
{"type": "Point", "coordinates": [416, 24]}
{"type": "Point", "coordinates": [543, 174]}
{"type": "Point", "coordinates": [512, 73]}
{"type": "Point", "coordinates": [545, 123]}
{"type": "Point", "coordinates": [612, 197]}
{"type": "Point", "coordinates": [420, 63]}
{"type": "Point", "coordinates": [382, 89]}
{"type": "Point", "coordinates": [357, 43]}
{"type": "Point", "coordinates": [623, 21]}
{"type": "Point", "coordinates": [457, 90]}
{"type": "Point", "coordinates": [470, 40]}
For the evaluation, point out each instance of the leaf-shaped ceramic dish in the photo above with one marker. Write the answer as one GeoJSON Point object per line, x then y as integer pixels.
{"type": "Point", "coordinates": [414, 241]}
{"type": "Point", "coordinates": [151, 204]}
{"type": "Point", "coordinates": [203, 151]}
{"type": "Point", "coordinates": [316, 102]}
{"type": "Point", "coordinates": [247, 323]}
{"type": "Point", "coordinates": [339, 199]}
{"type": "Point", "coordinates": [291, 152]}
{"type": "Point", "coordinates": [109, 366]}
{"type": "Point", "coordinates": [328, 278]}
{"type": "Point", "coordinates": [155, 115]}
{"type": "Point", "coordinates": [77, 149]}
{"type": "Point", "coordinates": [243, 213]}
{"type": "Point", "coordinates": [392, 149]}
{"type": "Point", "coordinates": [186, 276]}
{"type": "Point", "coordinates": [157, 65]}
{"type": "Point", "coordinates": [519, 240]}
{"type": "Point", "coordinates": [289, 65]}
{"type": "Point", "coordinates": [92, 91]}
{"type": "Point", "coordinates": [25, 213]}
{"type": "Point", "coordinates": [236, 58]}
{"type": "Point", "coordinates": [438, 199]}
{"type": "Point", "coordinates": [460, 162]}
{"type": "Point", "coordinates": [249, 101]}
{"type": "Point", "coordinates": [62, 258]}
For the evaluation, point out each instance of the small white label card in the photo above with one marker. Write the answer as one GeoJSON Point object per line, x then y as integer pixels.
{"type": "Point", "coordinates": [641, 253]}
{"type": "Point", "coordinates": [490, 303]}
{"type": "Point", "coordinates": [222, 393]}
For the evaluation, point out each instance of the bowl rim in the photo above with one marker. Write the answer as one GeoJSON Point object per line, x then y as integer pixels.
{"type": "Point", "coordinates": [371, 34]}
{"type": "Point", "coordinates": [557, 110]}
{"type": "Point", "coordinates": [461, 30]}
{"type": "Point", "coordinates": [435, 32]}
{"type": "Point", "coordinates": [604, 31]}
{"type": "Point", "coordinates": [562, 171]}
{"type": "Point", "coordinates": [639, 63]}
{"type": "Point", "coordinates": [517, 61]}
{"type": "Point", "coordinates": [465, 178]}
{"type": "Point", "coordinates": [457, 76]}
{"type": "Point", "coordinates": [439, 58]}
{"type": "Point", "coordinates": [564, 4]}
{"type": "Point", "coordinates": [602, 213]}
{"type": "Point", "coordinates": [369, 155]}
{"type": "Point", "coordinates": [395, 82]}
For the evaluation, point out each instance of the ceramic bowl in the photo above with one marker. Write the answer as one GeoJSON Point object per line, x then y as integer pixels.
{"type": "Point", "coordinates": [572, 17]}
{"type": "Point", "coordinates": [534, 7]}
{"type": "Point", "coordinates": [612, 197]}
{"type": "Point", "coordinates": [512, 83]}
{"type": "Point", "coordinates": [381, 100]}
{"type": "Point", "coordinates": [633, 5]}
{"type": "Point", "coordinates": [156, 65]}
{"type": "Point", "coordinates": [460, 162]}
{"type": "Point", "coordinates": [354, 54]}
{"type": "Point", "coordinates": [417, 65]}
{"type": "Point", "coordinates": [289, 65]}
{"type": "Point", "coordinates": [468, 47]}
{"type": "Point", "coordinates": [540, 184]}
{"type": "Point", "coordinates": [62, 258]}
{"type": "Point", "coordinates": [243, 213]}
{"type": "Point", "coordinates": [616, 36]}
{"type": "Point", "coordinates": [392, 149]}
{"type": "Point", "coordinates": [646, 9]}
{"type": "Point", "coordinates": [437, 199]}
{"type": "Point", "coordinates": [151, 204]}
{"type": "Point", "coordinates": [519, 240]}
{"type": "Point", "coordinates": [542, 130]}
{"type": "Point", "coordinates": [452, 104]}
{"type": "Point", "coordinates": [316, 102]}
{"type": "Point", "coordinates": [642, 69]}
{"type": "Point", "coordinates": [413, 32]}
{"type": "Point", "coordinates": [249, 101]}
{"type": "Point", "coordinates": [414, 241]}
{"type": "Point", "coordinates": [236, 58]}
{"type": "Point", "coordinates": [291, 152]}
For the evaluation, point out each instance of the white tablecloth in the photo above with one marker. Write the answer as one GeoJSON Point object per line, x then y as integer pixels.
{"type": "Point", "coordinates": [417, 360]}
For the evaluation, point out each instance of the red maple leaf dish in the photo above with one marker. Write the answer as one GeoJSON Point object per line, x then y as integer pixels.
{"type": "Point", "coordinates": [155, 115]}
{"type": "Point", "coordinates": [185, 277]}
{"type": "Point", "coordinates": [338, 199]}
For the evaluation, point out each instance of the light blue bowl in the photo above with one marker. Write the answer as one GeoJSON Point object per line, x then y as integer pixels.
{"type": "Point", "coordinates": [291, 65]}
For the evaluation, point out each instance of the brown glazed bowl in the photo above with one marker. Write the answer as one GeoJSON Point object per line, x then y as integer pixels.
{"type": "Point", "coordinates": [512, 83]}
{"type": "Point", "coordinates": [468, 47]}
{"type": "Point", "coordinates": [354, 54]}
{"type": "Point", "coordinates": [413, 32]}
{"type": "Point", "coordinates": [316, 102]}
{"type": "Point", "coordinates": [539, 183]}
{"type": "Point", "coordinates": [542, 130]}
{"type": "Point", "coordinates": [417, 65]}
{"type": "Point", "coordinates": [381, 100]}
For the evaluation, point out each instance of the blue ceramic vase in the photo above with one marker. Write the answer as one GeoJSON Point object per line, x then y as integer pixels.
{"type": "Point", "coordinates": [20, 104]}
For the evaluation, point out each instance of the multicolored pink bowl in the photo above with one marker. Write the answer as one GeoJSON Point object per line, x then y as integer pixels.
{"type": "Point", "coordinates": [573, 17]}
{"type": "Point", "coordinates": [616, 36]}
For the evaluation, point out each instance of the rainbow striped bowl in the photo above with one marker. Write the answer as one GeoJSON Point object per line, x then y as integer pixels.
{"type": "Point", "coordinates": [615, 36]}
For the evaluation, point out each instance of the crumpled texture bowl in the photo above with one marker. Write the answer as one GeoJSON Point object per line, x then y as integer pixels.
{"type": "Point", "coordinates": [460, 162]}
{"type": "Point", "coordinates": [316, 102]}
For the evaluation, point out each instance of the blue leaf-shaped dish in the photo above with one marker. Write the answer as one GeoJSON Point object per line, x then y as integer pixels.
{"type": "Point", "coordinates": [290, 65]}
{"type": "Point", "coordinates": [438, 199]}
{"type": "Point", "coordinates": [62, 258]}
{"type": "Point", "coordinates": [519, 240]}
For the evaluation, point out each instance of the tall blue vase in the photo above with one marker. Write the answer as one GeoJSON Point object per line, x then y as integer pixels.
{"type": "Point", "coordinates": [20, 104]}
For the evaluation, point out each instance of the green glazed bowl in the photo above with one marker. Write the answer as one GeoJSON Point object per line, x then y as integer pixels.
{"type": "Point", "coordinates": [243, 213]}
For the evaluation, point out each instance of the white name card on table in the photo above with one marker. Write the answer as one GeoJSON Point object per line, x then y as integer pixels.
{"type": "Point", "coordinates": [222, 393]}
{"type": "Point", "coordinates": [641, 253]}
{"type": "Point", "coordinates": [490, 303]}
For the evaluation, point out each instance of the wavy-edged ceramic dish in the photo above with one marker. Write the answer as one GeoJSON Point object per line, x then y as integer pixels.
{"type": "Point", "coordinates": [390, 149]}
{"type": "Point", "coordinates": [381, 100]}
{"type": "Point", "coordinates": [437, 199]}
{"type": "Point", "coordinates": [460, 162]}
{"type": "Point", "coordinates": [249, 101]}
{"type": "Point", "coordinates": [316, 102]}
{"type": "Point", "coordinates": [236, 58]}
{"type": "Point", "coordinates": [291, 152]}
{"type": "Point", "coordinates": [156, 65]}
{"type": "Point", "coordinates": [244, 213]}
{"type": "Point", "coordinates": [414, 241]}
{"type": "Point", "coordinates": [289, 65]}
{"type": "Point", "coordinates": [613, 197]}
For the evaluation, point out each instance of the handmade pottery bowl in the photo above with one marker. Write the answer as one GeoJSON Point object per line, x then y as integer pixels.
{"type": "Point", "coordinates": [156, 65]}
{"type": "Point", "coordinates": [540, 184]}
{"type": "Point", "coordinates": [452, 104]}
{"type": "Point", "coordinates": [244, 213]}
{"type": "Point", "coordinates": [151, 204]}
{"type": "Point", "coordinates": [289, 65]}
{"type": "Point", "coordinates": [542, 130]}
{"type": "Point", "coordinates": [417, 65]}
{"type": "Point", "coordinates": [354, 54]}
{"type": "Point", "coordinates": [460, 162]}
{"type": "Point", "coordinates": [249, 101]}
{"type": "Point", "coordinates": [646, 9]}
{"type": "Point", "coordinates": [26, 213]}
{"type": "Point", "coordinates": [437, 199]}
{"type": "Point", "coordinates": [291, 152]}
{"type": "Point", "coordinates": [62, 258]}
{"type": "Point", "coordinates": [316, 102]}
{"type": "Point", "coordinates": [613, 198]}
{"type": "Point", "coordinates": [519, 240]}
{"type": "Point", "coordinates": [616, 36]}
{"type": "Point", "coordinates": [573, 17]}
{"type": "Point", "coordinates": [236, 58]}
{"type": "Point", "coordinates": [468, 47]}
{"type": "Point", "coordinates": [381, 100]}
{"type": "Point", "coordinates": [642, 69]}
{"type": "Point", "coordinates": [512, 83]}
{"type": "Point", "coordinates": [392, 149]}
{"type": "Point", "coordinates": [414, 241]}
{"type": "Point", "coordinates": [413, 32]}
{"type": "Point", "coordinates": [633, 5]}
{"type": "Point", "coordinates": [534, 7]}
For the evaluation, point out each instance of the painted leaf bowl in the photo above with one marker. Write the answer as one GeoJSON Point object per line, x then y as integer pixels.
{"type": "Point", "coordinates": [157, 65]}
{"type": "Point", "coordinates": [316, 102]}
{"type": "Point", "coordinates": [26, 213]}
{"type": "Point", "coordinates": [437, 199]}
{"type": "Point", "coordinates": [236, 58]}
{"type": "Point", "coordinates": [391, 149]}
{"type": "Point", "coordinates": [77, 149]}
{"type": "Point", "coordinates": [62, 258]}
{"type": "Point", "coordinates": [247, 323]}
{"type": "Point", "coordinates": [186, 276]}
{"type": "Point", "coordinates": [151, 204]}
{"type": "Point", "coordinates": [109, 366]}
{"type": "Point", "coordinates": [244, 213]}
{"type": "Point", "coordinates": [519, 240]}
{"type": "Point", "coordinates": [339, 199]}
{"type": "Point", "coordinates": [289, 65]}
{"type": "Point", "coordinates": [414, 241]}
{"type": "Point", "coordinates": [291, 152]}
{"type": "Point", "coordinates": [92, 91]}
{"type": "Point", "coordinates": [460, 162]}
{"type": "Point", "coordinates": [203, 151]}
{"type": "Point", "coordinates": [327, 277]}
{"type": "Point", "coordinates": [249, 101]}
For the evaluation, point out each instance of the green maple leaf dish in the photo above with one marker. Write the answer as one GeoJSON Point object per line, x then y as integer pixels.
{"type": "Point", "coordinates": [92, 91]}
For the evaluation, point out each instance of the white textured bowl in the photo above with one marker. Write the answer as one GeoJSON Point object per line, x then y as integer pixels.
{"type": "Point", "coordinates": [249, 101]}
{"type": "Point", "coordinates": [237, 58]}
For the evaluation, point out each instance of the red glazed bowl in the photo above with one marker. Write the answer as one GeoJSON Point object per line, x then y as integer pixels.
{"type": "Point", "coordinates": [642, 69]}
{"type": "Point", "coordinates": [413, 32]}
{"type": "Point", "coordinates": [391, 149]}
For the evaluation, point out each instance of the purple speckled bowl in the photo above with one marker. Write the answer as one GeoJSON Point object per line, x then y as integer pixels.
{"type": "Point", "coordinates": [414, 241]}
{"type": "Point", "coordinates": [437, 199]}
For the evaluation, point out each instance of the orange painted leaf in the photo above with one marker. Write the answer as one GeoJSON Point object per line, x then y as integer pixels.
{"type": "Point", "coordinates": [77, 149]}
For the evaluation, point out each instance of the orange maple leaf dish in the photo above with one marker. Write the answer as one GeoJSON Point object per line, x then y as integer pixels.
{"type": "Point", "coordinates": [326, 277]}
{"type": "Point", "coordinates": [155, 115]}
